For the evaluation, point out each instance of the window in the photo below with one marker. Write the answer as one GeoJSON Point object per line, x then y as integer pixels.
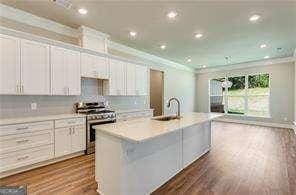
{"type": "Point", "coordinates": [241, 95]}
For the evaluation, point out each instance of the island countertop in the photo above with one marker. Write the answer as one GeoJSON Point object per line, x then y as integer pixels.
{"type": "Point", "coordinates": [139, 130]}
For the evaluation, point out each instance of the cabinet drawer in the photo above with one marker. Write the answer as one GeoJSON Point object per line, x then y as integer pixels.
{"type": "Point", "coordinates": [25, 157]}
{"type": "Point", "coordinates": [25, 128]}
{"type": "Point", "coordinates": [69, 122]}
{"type": "Point", "coordinates": [12, 143]}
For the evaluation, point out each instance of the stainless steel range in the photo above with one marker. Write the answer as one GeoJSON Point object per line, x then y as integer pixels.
{"type": "Point", "coordinates": [96, 114]}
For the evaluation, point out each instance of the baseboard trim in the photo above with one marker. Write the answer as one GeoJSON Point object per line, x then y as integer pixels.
{"type": "Point", "coordinates": [259, 123]}
{"type": "Point", "coordinates": [40, 164]}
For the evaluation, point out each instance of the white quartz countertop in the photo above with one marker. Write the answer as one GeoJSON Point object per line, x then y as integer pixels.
{"type": "Point", "coordinates": [132, 110]}
{"type": "Point", "coordinates": [10, 121]}
{"type": "Point", "coordinates": [139, 130]}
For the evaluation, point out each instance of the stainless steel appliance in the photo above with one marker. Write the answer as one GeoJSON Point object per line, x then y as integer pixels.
{"type": "Point", "coordinates": [96, 114]}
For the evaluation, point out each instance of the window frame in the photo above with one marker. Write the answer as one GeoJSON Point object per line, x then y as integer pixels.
{"type": "Point", "coordinates": [245, 96]}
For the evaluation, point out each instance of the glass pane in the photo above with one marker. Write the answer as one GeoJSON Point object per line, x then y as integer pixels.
{"type": "Point", "coordinates": [217, 92]}
{"type": "Point", "coordinates": [236, 86]}
{"type": "Point", "coordinates": [258, 84]}
{"type": "Point", "coordinates": [258, 105]}
{"type": "Point", "coordinates": [236, 105]}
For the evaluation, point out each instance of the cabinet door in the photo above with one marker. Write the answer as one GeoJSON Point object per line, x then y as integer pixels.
{"type": "Point", "coordinates": [59, 74]}
{"type": "Point", "coordinates": [117, 78]}
{"type": "Point", "coordinates": [35, 68]}
{"type": "Point", "coordinates": [78, 142]}
{"type": "Point", "coordinates": [88, 66]}
{"type": "Point", "coordinates": [130, 79]}
{"type": "Point", "coordinates": [102, 67]}
{"type": "Point", "coordinates": [9, 65]}
{"type": "Point", "coordinates": [141, 80]}
{"type": "Point", "coordinates": [62, 143]}
{"type": "Point", "coordinates": [94, 66]}
{"type": "Point", "coordinates": [72, 59]}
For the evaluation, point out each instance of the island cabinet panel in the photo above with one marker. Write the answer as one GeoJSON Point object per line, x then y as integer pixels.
{"type": "Point", "coordinates": [196, 142]}
{"type": "Point", "coordinates": [137, 168]}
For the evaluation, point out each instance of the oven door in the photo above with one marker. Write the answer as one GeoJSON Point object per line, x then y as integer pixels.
{"type": "Point", "coordinates": [91, 132]}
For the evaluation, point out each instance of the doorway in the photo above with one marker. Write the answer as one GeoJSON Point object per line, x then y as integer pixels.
{"type": "Point", "coordinates": [156, 91]}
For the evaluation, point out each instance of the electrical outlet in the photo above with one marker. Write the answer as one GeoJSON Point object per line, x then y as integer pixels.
{"type": "Point", "coordinates": [285, 119]}
{"type": "Point", "coordinates": [34, 106]}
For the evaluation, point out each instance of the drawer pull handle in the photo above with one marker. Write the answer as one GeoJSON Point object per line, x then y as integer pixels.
{"type": "Point", "coordinates": [23, 158]}
{"type": "Point", "coordinates": [71, 122]}
{"type": "Point", "coordinates": [22, 128]}
{"type": "Point", "coordinates": [22, 141]}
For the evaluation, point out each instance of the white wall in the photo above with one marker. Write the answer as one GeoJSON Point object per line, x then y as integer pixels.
{"type": "Point", "coordinates": [281, 90]}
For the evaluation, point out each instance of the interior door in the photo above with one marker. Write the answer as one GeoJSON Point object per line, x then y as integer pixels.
{"type": "Point", "coordinates": [35, 68]}
{"type": "Point", "coordinates": [59, 71]}
{"type": "Point", "coordinates": [72, 59]}
{"type": "Point", "coordinates": [78, 142]}
{"type": "Point", "coordinates": [62, 141]}
{"type": "Point", "coordinates": [9, 65]}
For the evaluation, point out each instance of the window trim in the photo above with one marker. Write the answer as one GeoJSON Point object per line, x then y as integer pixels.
{"type": "Point", "coordinates": [246, 96]}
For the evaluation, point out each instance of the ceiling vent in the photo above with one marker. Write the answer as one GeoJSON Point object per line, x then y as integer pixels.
{"type": "Point", "coordinates": [63, 3]}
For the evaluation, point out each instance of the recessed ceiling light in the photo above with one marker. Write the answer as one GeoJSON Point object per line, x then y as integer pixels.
{"type": "Point", "coordinates": [162, 47]}
{"type": "Point", "coordinates": [133, 33]}
{"type": "Point", "coordinates": [198, 35]}
{"type": "Point", "coordinates": [254, 18]}
{"type": "Point", "coordinates": [266, 57]}
{"type": "Point", "coordinates": [189, 60]}
{"type": "Point", "coordinates": [204, 66]}
{"type": "Point", "coordinates": [172, 14]}
{"type": "Point", "coordinates": [263, 46]}
{"type": "Point", "coordinates": [82, 11]}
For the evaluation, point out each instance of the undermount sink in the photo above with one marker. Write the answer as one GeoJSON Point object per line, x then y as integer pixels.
{"type": "Point", "coordinates": [166, 118]}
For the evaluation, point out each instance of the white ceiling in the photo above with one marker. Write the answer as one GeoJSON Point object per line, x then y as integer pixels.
{"type": "Point", "coordinates": [225, 25]}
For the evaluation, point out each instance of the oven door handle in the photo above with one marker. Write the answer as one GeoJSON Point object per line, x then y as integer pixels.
{"type": "Point", "coordinates": [101, 122]}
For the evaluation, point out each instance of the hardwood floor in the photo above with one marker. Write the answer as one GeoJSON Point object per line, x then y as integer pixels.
{"type": "Point", "coordinates": [71, 177]}
{"type": "Point", "coordinates": [244, 160]}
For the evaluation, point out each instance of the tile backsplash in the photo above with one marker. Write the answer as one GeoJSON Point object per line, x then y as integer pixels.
{"type": "Point", "coordinates": [13, 106]}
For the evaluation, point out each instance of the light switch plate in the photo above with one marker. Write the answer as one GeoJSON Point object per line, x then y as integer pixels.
{"type": "Point", "coordinates": [34, 106]}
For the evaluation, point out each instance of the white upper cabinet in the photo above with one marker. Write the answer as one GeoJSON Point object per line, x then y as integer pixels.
{"type": "Point", "coordinates": [35, 68]}
{"type": "Point", "coordinates": [117, 81]}
{"type": "Point", "coordinates": [65, 71]}
{"type": "Point", "coordinates": [141, 80]}
{"type": "Point", "coordinates": [130, 79]}
{"type": "Point", "coordinates": [94, 66]}
{"type": "Point", "coordinates": [9, 65]}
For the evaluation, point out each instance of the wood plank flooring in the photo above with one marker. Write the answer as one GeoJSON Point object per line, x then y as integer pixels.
{"type": "Point", "coordinates": [71, 177]}
{"type": "Point", "coordinates": [244, 159]}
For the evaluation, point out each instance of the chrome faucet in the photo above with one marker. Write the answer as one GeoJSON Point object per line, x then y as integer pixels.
{"type": "Point", "coordinates": [178, 102]}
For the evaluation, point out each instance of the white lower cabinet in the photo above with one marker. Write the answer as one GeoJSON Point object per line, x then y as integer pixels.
{"type": "Point", "coordinates": [70, 136]}
{"type": "Point", "coordinates": [30, 143]}
{"type": "Point", "coordinates": [25, 157]}
{"type": "Point", "coordinates": [62, 145]}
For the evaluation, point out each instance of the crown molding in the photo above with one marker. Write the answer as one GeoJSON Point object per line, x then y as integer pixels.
{"type": "Point", "coordinates": [247, 65]}
{"type": "Point", "coordinates": [33, 20]}
{"type": "Point", "coordinates": [92, 32]}
{"type": "Point", "coordinates": [146, 56]}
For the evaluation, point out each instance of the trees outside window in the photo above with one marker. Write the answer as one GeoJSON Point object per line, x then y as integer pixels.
{"type": "Point", "coordinates": [243, 95]}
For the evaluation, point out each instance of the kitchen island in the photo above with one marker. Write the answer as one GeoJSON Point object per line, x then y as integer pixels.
{"type": "Point", "coordinates": [136, 157]}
